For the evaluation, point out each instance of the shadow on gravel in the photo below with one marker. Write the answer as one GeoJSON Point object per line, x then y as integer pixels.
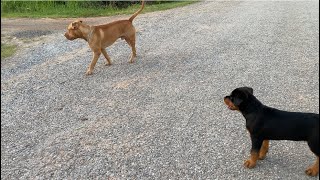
{"type": "Point", "coordinates": [31, 34]}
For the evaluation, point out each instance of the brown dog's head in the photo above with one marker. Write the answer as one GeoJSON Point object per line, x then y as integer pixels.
{"type": "Point", "coordinates": [238, 97]}
{"type": "Point", "coordinates": [73, 31]}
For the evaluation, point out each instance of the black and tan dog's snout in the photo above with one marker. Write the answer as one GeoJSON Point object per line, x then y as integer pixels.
{"type": "Point", "coordinates": [229, 103]}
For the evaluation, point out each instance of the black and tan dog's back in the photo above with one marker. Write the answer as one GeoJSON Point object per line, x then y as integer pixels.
{"type": "Point", "coordinates": [266, 123]}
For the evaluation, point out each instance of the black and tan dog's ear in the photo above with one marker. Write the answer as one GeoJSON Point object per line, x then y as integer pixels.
{"type": "Point", "coordinates": [236, 101]}
{"type": "Point", "coordinates": [240, 94]}
{"type": "Point", "coordinates": [249, 89]}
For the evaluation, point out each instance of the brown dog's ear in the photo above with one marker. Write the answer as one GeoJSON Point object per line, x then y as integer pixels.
{"type": "Point", "coordinates": [75, 25]}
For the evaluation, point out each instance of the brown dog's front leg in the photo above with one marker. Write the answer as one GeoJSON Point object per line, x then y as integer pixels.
{"type": "Point", "coordinates": [96, 56]}
{"type": "Point", "coordinates": [105, 54]}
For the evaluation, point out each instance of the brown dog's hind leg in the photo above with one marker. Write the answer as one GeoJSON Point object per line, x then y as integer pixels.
{"type": "Point", "coordinates": [314, 169]}
{"type": "Point", "coordinates": [105, 54]}
{"type": "Point", "coordinates": [96, 56]}
{"type": "Point", "coordinates": [264, 149]}
{"type": "Point", "coordinates": [132, 42]}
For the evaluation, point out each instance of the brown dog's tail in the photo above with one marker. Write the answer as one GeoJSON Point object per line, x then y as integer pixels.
{"type": "Point", "coordinates": [136, 13]}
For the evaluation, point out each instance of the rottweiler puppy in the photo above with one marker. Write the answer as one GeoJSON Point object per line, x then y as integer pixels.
{"type": "Point", "coordinates": [265, 123]}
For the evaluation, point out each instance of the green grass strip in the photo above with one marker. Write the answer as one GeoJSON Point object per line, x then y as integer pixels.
{"type": "Point", "coordinates": [32, 9]}
{"type": "Point", "coordinates": [7, 50]}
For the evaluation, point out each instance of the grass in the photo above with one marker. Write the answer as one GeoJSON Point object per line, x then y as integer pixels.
{"type": "Point", "coordinates": [7, 50]}
{"type": "Point", "coordinates": [34, 9]}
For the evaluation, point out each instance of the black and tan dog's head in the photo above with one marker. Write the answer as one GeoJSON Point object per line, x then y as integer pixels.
{"type": "Point", "coordinates": [238, 97]}
{"type": "Point", "coordinates": [74, 31]}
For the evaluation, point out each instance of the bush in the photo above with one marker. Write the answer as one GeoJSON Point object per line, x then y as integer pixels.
{"type": "Point", "coordinates": [39, 6]}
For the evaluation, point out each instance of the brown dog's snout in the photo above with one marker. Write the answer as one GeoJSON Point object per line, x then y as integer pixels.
{"type": "Point", "coordinates": [68, 36]}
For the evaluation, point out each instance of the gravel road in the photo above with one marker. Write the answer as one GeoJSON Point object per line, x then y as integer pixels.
{"type": "Point", "coordinates": [162, 117]}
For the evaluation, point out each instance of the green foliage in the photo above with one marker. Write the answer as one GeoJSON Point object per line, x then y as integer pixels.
{"type": "Point", "coordinates": [54, 9]}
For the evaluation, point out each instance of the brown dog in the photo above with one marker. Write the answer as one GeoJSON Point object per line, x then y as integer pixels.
{"type": "Point", "coordinates": [101, 36]}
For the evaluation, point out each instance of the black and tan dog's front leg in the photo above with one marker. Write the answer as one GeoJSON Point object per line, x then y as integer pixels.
{"type": "Point", "coordinates": [254, 154]}
{"type": "Point", "coordinates": [264, 149]}
{"type": "Point", "coordinates": [96, 55]}
{"type": "Point", "coordinates": [314, 169]}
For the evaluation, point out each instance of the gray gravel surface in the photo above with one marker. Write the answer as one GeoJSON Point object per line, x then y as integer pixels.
{"type": "Point", "coordinates": [162, 117]}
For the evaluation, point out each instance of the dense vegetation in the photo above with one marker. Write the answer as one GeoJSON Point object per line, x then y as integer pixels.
{"type": "Point", "coordinates": [80, 8]}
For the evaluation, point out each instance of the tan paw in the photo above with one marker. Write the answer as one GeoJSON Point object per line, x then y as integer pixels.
{"type": "Point", "coordinates": [262, 156]}
{"type": "Point", "coordinates": [131, 60]}
{"type": "Point", "coordinates": [312, 171]}
{"type": "Point", "coordinates": [249, 164]}
{"type": "Point", "coordinates": [88, 72]}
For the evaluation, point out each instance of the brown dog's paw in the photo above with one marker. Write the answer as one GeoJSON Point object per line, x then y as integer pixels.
{"type": "Point", "coordinates": [312, 171]}
{"type": "Point", "coordinates": [249, 164]}
{"type": "Point", "coordinates": [132, 58]}
{"type": "Point", "coordinates": [88, 72]}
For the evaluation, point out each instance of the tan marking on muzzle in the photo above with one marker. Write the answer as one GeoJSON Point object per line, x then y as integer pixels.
{"type": "Point", "coordinates": [230, 105]}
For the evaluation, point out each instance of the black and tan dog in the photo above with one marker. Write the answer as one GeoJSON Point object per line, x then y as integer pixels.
{"type": "Point", "coordinates": [266, 123]}
{"type": "Point", "coordinates": [101, 36]}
